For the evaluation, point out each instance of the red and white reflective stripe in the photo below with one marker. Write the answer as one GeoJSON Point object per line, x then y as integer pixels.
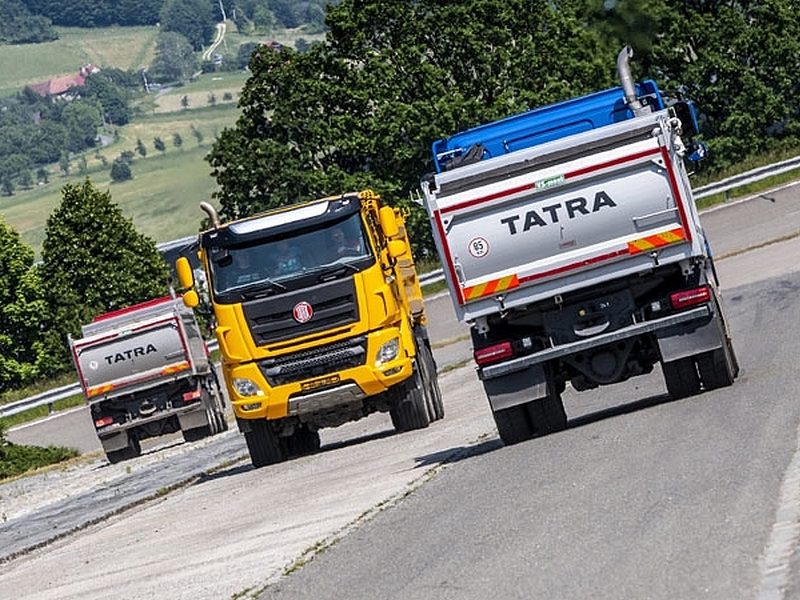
{"type": "Point", "coordinates": [659, 240]}
{"type": "Point", "coordinates": [491, 287]}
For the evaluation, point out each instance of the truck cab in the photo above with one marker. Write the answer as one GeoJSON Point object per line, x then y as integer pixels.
{"type": "Point", "coordinates": [320, 321]}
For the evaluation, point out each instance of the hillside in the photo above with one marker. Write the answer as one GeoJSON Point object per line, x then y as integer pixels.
{"type": "Point", "coordinates": [167, 187]}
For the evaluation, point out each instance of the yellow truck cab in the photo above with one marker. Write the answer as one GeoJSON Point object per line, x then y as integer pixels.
{"type": "Point", "coordinates": [320, 321]}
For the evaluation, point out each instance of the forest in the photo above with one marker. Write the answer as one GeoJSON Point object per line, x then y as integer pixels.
{"type": "Point", "coordinates": [362, 109]}
{"type": "Point", "coordinates": [27, 21]}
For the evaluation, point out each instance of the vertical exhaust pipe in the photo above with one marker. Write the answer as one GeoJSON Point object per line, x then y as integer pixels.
{"type": "Point", "coordinates": [624, 71]}
{"type": "Point", "coordinates": [212, 213]}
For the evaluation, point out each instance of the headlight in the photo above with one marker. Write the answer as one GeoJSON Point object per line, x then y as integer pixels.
{"type": "Point", "coordinates": [388, 352]}
{"type": "Point", "coordinates": [246, 388]}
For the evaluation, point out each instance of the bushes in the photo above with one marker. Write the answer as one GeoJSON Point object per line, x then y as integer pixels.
{"type": "Point", "coordinates": [16, 459]}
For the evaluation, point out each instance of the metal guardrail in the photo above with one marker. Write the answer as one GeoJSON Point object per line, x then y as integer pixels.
{"type": "Point", "coordinates": [47, 398]}
{"type": "Point", "coordinates": [725, 186]}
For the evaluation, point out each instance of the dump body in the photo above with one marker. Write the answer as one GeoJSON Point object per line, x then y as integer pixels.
{"type": "Point", "coordinates": [320, 321]}
{"type": "Point", "coordinates": [571, 244]}
{"type": "Point", "coordinates": [145, 371]}
{"type": "Point", "coordinates": [558, 217]}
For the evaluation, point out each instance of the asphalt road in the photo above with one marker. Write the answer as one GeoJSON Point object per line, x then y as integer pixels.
{"type": "Point", "coordinates": [639, 498]}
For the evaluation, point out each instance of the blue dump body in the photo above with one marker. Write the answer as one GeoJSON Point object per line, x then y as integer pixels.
{"type": "Point", "coordinates": [541, 125]}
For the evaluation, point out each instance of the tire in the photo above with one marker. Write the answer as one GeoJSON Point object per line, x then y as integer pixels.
{"type": "Point", "coordinates": [411, 412]}
{"type": "Point", "coordinates": [132, 450]}
{"type": "Point", "coordinates": [547, 415]}
{"type": "Point", "coordinates": [264, 445]}
{"type": "Point", "coordinates": [303, 441]}
{"type": "Point", "coordinates": [513, 424]}
{"type": "Point", "coordinates": [681, 378]}
{"type": "Point", "coordinates": [532, 419]}
{"type": "Point", "coordinates": [430, 378]}
{"type": "Point", "coordinates": [198, 433]}
{"type": "Point", "coordinates": [718, 368]}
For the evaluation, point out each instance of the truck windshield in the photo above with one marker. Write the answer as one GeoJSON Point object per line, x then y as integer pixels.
{"type": "Point", "coordinates": [274, 263]}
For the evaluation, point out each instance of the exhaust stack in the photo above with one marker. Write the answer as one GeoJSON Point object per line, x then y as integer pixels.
{"type": "Point", "coordinates": [624, 71]}
{"type": "Point", "coordinates": [212, 213]}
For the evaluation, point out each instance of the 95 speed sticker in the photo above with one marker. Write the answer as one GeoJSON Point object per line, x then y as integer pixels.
{"type": "Point", "coordinates": [478, 247]}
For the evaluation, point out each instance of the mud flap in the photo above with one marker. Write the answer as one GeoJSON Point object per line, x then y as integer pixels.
{"type": "Point", "coordinates": [194, 419]}
{"type": "Point", "coordinates": [114, 442]}
{"type": "Point", "coordinates": [519, 387]}
{"type": "Point", "coordinates": [691, 341]}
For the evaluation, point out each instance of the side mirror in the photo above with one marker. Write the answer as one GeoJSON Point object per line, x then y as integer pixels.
{"type": "Point", "coordinates": [697, 151]}
{"type": "Point", "coordinates": [396, 248]}
{"type": "Point", "coordinates": [185, 275]}
{"type": "Point", "coordinates": [389, 222]}
{"type": "Point", "coordinates": [686, 115]}
{"type": "Point", "coordinates": [191, 298]}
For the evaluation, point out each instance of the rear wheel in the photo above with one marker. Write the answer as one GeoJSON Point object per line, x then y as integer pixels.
{"type": "Point", "coordinates": [132, 450]}
{"type": "Point", "coordinates": [264, 444]}
{"type": "Point", "coordinates": [718, 368]}
{"type": "Point", "coordinates": [532, 419]}
{"type": "Point", "coordinates": [411, 412]}
{"type": "Point", "coordinates": [433, 394]}
{"type": "Point", "coordinates": [513, 424]}
{"type": "Point", "coordinates": [681, 378]}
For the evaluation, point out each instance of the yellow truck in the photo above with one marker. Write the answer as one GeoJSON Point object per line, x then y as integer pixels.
{"type": "Point", "coordinates": [320, 320]}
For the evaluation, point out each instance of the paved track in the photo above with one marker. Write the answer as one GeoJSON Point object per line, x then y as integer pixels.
{"type": "Point", "coordinates": [638, 498]}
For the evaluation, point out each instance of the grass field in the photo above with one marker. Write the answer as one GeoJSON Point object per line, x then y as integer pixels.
{"type": "Point", "coordinates": [162, 198]}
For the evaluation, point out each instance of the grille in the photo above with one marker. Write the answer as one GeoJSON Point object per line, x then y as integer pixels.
{"type": "Point", "coordinates": [315, 363]}
{"type": "Point", "coordinates": [271, 319]}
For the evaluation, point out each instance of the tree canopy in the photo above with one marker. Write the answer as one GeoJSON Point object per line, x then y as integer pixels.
{"type": "Point", "coordinates": [362, 108]}
{"type": "Point", "coordinates": [94, 260]}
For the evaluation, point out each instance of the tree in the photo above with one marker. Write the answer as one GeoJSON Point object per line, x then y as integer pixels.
{"type": "Point", "coordinates": [177, 140]}
{"type": "Point", "coordinates": [109, 96]}
{"type": "Point", "coordinates": [120, 171]}
{"type": "Point", "coordinates": [94, 261]}
{"type": "Point", "coordinates": [23, 312]}
{"type": "Point", "coordinates": [175, 60]}
{"type": "Point", "coordinates": [362, 109]}
{"type": "Point", "coordinates": [140, 148]}
{"type": "Point", "coordinates": [198, 135]}
{"type": "Point", "coordinates": [6, 185]}
{"type": "Point", "coordinates": [159, 144]}
{"type": "Point", "coordinates": [193, 19]}
{"type": "Point", "coordinates": [738, 62]}
{"type": "Point", "coordinates": [81, 120]}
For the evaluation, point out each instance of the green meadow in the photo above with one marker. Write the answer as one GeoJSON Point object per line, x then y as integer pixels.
{"type": "Point", "coordinates": [163, 197]}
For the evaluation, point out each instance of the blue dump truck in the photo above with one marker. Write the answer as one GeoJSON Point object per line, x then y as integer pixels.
{"type": "Point", "coordinates": [572, 246]}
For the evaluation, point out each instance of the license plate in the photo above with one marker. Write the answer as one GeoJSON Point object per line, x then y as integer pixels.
{"type": "Point", "coordinates": [318, 383]}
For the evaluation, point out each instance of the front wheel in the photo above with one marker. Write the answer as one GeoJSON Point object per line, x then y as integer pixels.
{"type": "Point", "coordinates": [264, 444]}
{"type": "Point", "coordinates": [411, 412]}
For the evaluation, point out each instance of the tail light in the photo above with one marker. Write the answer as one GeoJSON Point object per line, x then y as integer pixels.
{"type": "Point", "coordinates": [103, 421]}
{"type": "Point", "coordinates": [193, 395]}
{"type": "Point", "coordinates": [491, 354]}
{"type": "Point", "coordinates": [688, 298]}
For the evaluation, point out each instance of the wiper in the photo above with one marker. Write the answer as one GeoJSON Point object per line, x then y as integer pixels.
{"type": "Point", "coordinates": [262, 289]}
{"type": "Point", "coordinates": [339, 270]}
